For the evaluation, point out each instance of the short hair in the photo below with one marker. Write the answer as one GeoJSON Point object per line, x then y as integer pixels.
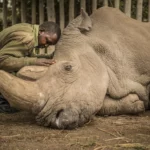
{"type": "Point", "coordinates": [51, 27]}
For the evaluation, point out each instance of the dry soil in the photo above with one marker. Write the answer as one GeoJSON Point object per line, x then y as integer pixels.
{"type": "Point", "coordinates": [19, 131]}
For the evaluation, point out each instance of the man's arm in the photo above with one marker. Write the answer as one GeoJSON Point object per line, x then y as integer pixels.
{"type": "Point", "coordinates": [11, 64]}
{"type": "Point", "coordinates": [14, 56]}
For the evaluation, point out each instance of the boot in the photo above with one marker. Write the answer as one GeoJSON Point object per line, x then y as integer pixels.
{"type": "Point", "coordinates": [5, 107]}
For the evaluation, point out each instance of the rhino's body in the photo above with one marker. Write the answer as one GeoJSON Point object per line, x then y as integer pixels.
{"type": "Point", "coordinates": [102, 68]}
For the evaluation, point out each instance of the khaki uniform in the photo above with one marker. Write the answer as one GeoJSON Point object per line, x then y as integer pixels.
{"type": "Point", "coordinates": [16, 46]}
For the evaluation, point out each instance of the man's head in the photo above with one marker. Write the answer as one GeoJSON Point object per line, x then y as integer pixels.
{"type": "Point", "coordinates": [49, 34]}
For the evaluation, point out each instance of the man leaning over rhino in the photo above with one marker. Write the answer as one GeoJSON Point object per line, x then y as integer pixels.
{"type": "Point", "coordinates": [18, 44]}
{"type": "Point", "coordinates": [102, 69]}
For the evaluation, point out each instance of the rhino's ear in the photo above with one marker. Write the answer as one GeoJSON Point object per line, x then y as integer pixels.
{"type": "Point", "coordinates": [86, 23]}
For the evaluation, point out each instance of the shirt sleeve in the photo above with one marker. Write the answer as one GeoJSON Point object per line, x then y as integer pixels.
{"type": "Point", "coordinates": [14, 56]}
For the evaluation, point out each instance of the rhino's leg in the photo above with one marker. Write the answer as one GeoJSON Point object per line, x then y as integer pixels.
{"type": "Point", "coordinates": [127, 105]}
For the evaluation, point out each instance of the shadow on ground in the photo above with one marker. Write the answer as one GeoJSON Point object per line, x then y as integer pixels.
{"type": "Point", "coordinates": [19, 131]}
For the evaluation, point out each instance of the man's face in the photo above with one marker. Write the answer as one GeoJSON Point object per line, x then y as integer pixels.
{"type": "Point", "coordinates": [45, 39]}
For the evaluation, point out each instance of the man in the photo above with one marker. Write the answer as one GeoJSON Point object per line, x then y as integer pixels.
{"type": "Point", "coordinates": [17, 44]}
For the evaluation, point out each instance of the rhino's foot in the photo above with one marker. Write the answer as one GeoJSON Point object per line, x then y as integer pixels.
{"type": "Point", "coordinates": [127, 105]}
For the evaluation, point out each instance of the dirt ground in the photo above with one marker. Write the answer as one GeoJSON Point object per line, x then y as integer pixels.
{"type": "Point", "coordinates": [19, 131]}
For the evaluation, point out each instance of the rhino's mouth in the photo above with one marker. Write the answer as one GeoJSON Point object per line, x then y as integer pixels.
{"type": "Point", "coordinates": [63, 119]}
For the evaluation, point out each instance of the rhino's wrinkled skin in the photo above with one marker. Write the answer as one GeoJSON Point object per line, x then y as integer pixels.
{"type": "Point", "coordinates": [103, 67]}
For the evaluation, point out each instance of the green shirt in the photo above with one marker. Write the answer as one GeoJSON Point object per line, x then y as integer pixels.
{"type": "Point", "coordinates": [16, 46]}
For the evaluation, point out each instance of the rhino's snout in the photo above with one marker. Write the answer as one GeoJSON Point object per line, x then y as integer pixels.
{"type": "Point", "coordinates": [63, 119]}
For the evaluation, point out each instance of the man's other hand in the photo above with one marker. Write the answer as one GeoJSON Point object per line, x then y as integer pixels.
{"type": "Point", "coordinates": [44, 62]}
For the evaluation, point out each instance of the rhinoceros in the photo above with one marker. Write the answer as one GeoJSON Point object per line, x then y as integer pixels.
{"type": "Point", "coordinates": [102, 68]}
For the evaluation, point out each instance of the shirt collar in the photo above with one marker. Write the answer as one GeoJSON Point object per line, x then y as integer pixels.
{"type": "Point", "coordinates": [36, 32]}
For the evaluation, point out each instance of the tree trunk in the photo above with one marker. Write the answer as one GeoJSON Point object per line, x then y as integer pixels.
{"type": "Point", "coordinates": [4, 14]}
{"type": "Point", "coordinates": [83, 4]}
{"type": "Point", "coordinates": [71, 10]}
{"type": "Point", "coordinates": [33, 11]}
{"type": "Point", "coordinates": [13, 12]}
{"type": "Point", "coordinates": [51, 10]}
{"type": "Point", "coordinates": [41, 11]}
{"type": "Point", "coordinates": [105, 2]}
{"type": "Point", "coordinates": [117, 3]}
{"type": "Point", "coordinates": [149, 10]}
{"type": "Point", "coordinates": [62, 18]}
{"type": "Point", "coordinates": [94, 5]}
{"type": "Point", "coordinates": [139, 10]}
{"type": "Point", "coordinates": [23, 11]}
{"type": "Point", "coordinates": [127, 9]}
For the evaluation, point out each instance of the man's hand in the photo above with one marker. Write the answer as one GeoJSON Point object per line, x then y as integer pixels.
{"type": "Point", "coordinates": [44, 62]}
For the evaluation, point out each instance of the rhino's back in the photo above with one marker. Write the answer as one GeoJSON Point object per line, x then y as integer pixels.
{"type": "Point", "coordinates": [125, 35]}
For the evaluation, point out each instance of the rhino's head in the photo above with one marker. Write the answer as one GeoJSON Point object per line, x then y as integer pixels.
{"type": "Point", "coordinates": [72, 90]}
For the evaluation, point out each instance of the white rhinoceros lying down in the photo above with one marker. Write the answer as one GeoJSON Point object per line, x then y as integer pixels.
{"type": "Point", "coordinates": [103, 67]}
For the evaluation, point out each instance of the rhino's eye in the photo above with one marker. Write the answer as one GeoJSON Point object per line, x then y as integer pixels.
{"type": "Point", "coordinates": [68, 67]}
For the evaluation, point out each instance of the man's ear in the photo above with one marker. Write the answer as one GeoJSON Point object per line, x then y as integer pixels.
{"type": "Point", "coordinates": [41, 31]}
{"type": "Point", "coordinates": [86, 23]}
